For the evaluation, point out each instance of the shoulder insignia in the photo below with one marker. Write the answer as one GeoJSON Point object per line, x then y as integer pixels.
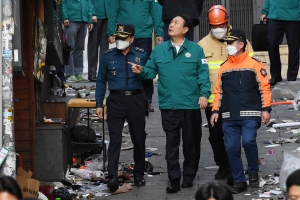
{"type": "Point", "coordinates": [107, 51]}
{"type": "Point", "coordinates": [263, 72]}
{"type": "Point", "coordinates": [223, 62]}
{"type": "Point", "coordinates": [139, 49]}
{"type": "Point", "coordinates": [256, 59]}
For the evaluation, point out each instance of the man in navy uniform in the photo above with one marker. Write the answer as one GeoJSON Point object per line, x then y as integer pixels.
{"type": "Point", "coordinates": [125, 101]}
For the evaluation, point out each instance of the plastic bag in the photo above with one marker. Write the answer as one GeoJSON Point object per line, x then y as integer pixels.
{"type": "Point", "coordinates": [88, 175]}
{"type": "Point", "coordinates": [94, 162]}
{"type": "Point", "coordinates": [291, 162]}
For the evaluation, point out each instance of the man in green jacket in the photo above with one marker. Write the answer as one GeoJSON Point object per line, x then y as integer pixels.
{"type": "Point", "coordinates": [77, 17]}
{"type": "Point", "coordinates": [183, 89]}
{"type": "Point", "coordinates": [284, 17]}
{"type": "Point", "coordinates": [144, 16]}
{"type": "Point", "coordinates": [98, 36]}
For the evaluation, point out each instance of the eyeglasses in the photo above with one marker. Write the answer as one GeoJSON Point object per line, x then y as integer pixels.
{"type": "Point", "coordinates": [219, 26]}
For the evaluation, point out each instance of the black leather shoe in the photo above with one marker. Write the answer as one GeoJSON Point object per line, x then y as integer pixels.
{"type": "Point", "coordinates": [222, 172]}
{"type": "Point", "coordinates": [174, 186]}
{"type": "Point", "coordinates": [239, 187]}
{"type": "Point", "coordinates": [273, 81]}
{"type": "Point", "coordinates": [139, 181]}
{"type": "Point", "coordinates": [186, 184]}
{"type": "Point", "coordinates": [92, 78]}
{"type": "Point", "coordinates": [113, 183]}
{"type": "Point", "coordinates": [253, 180]}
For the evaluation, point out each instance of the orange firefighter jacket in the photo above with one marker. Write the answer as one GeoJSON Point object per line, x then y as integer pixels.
{"type": "Point", "coordinates": [242, 89]}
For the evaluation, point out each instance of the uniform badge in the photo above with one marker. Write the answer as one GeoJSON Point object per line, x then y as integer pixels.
{"type": "Point", "coordinates": [188, 54]}
{"type": "Point", "coordinates": [137, 59]}
{"type": "Point", "coordinates": [263, 72]}
{"type": "Point", "coordinates": [204, 61]}
{"type": "Point", "coordinates": [121, 28]}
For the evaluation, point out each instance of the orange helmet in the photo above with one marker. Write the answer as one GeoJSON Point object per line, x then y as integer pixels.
{"type": "Point", "coordinates": [217, 15]}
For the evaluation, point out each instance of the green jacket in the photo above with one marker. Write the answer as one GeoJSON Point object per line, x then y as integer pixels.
{"type": "Point", "coordinates": [288, 10]}
{"type": "Point", "coordinates": [77, 10]}
{"type": "Point", "coordinates": [101, 8]}
{"type": "Point", "coordinates": [143, 14]}
{"type": "Point", "coordinates": [181, 79]}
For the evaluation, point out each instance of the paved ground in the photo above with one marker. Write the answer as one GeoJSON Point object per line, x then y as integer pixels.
{"type": "Point", "coordinates": [156, 185]}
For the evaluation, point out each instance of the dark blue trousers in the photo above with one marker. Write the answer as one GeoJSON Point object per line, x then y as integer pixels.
{"type": "Point", "coordinates": [234, 131]}
{"type": "Point", "coordinates": [276, 30]}
{"type": "Point", "coordinates": [146, 44]}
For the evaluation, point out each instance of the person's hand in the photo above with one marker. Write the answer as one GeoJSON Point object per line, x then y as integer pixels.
{"type": "Point", "coordinates": [112, 39]}
{"type": "Point", "coordinates": [94, 18]}
{"type": "Point", "coordinates": [202, 102]}
{"type": "Point", "coordinates": [66, 22]}
{"type": "Point", "coordinates": [90, 27]}
{"type": "Point", "coordinates": [137, 69]}
{"type": "Point", "coordinates": [213, 119]}
{"type": "Point", "coordinates": [158, 40]}
{"type": "Point", "coordinates": [99, 112]}
{"type": "Point", "coordinates": [263, 18]}
{"type": "Point", "coordinates": [265, 117]}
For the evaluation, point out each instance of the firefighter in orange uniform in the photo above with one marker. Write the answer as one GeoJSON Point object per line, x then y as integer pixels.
{"type": "Point", "coordinates": [215, 53]}
{"type": "Point", "coordinates": [243, 99]}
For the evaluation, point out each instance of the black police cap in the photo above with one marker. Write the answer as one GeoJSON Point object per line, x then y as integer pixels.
{"type": "Point", "coordinates": [124, 30]}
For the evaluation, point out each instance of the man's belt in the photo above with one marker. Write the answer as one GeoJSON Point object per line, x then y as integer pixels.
{"type": "Point", "coordinates": [126, 93]}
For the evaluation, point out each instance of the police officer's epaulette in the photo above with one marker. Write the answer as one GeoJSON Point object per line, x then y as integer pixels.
{"type": "Point", "coordinates": [139, 49]}
{"type": "Point", "coordinates": [107, 51]}
{"type": "Point", "coordinates": [223, 62]}
{"type": "Point", "coordinates": [256, 59]}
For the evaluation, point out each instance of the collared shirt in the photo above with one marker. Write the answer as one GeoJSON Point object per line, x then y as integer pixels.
{"type": "Point", "coordinates": [115, 70]}
{"type": "Point", "coordinates": [177, 46]}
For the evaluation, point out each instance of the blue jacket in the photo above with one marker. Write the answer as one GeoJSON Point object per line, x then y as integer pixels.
{"type": "Point", "coordinates": [115, 70]}
{"type": "Point", "coordinates": [288, 10]}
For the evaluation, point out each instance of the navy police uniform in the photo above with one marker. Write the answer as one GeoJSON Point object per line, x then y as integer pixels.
{"type": "Point", "coordinates": [125, 101]}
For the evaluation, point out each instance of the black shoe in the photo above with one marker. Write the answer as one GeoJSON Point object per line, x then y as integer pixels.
{"type": "Point", "coordinates": [229, 178]}
{"type": "Point", "coordinates": [239, 187]}
{"type": "Point", "coordinates": [222, 172]}
{"type": "Point", "coordinates": [139, 181]}
{"type": "Point", "coordinates": [113, 184]}
{"type": "Point", "coordinates": [174, 186]}
{"type": "Point", "coordinates": [151, 109]}
{"type": "Point", "coordinates": [253, 180]}
{"type": "Point", "coordinates": [273, 81]}
{"type": "Point", "coordinates": [92, 78]}
{"type": "Point", "coordinates": [186, 184]}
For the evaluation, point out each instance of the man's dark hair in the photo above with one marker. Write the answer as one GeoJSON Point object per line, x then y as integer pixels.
{"type": "Point", "coordinates": [10, 185]}
{"type": "Point", "coordinates": [188, 22]}
{"type": "Point", "coordinates": [293, 179]}
{"type": "Point", "coordinates": [216, 190]}
{"type": "Point", "coordinates": [245, 44]}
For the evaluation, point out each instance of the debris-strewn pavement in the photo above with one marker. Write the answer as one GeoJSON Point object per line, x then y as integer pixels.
{"type": "Point", "coordinates": [271, 157]}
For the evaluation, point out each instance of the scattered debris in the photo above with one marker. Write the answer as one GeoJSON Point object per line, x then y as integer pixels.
{"type": "Point", "coordinates": [272, 130]}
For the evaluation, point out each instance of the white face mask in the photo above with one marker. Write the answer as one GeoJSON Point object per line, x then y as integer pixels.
{"type": "Point", "coordinates": [231, 50]}
{"type": "Point", "coordinates": [219, 33]}
{"type": "Point", "coordinates": [121, 44]}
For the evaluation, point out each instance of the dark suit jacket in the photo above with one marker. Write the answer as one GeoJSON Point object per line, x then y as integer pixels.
{"type": "Point", "coordinates": [171, 8]}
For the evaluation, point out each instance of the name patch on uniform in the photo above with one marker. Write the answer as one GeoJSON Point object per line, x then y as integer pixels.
{"type": "Point", "coordinates": [137, 59]}
{"type": "Point", "coordinates": [204, 61]}
{"type": "Point", "coordinates": [188, 54]}
{"type": "Point", "coordinates": [263, 72]}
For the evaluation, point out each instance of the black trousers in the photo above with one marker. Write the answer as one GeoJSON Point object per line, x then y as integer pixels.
{"type": "Point", "coordinates": [216, 139]}
{"type": "Point", "coordinates": [131, 108]}
{"type": "Point", "coordinates": [189, 121]}
{"type": "Point", "coordinates": [276, 30]}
